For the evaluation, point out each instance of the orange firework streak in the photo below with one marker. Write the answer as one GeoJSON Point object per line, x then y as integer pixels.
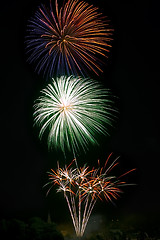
{"type": "Point", "coordinates": [82, 187]}
{"type": "Point", "coordinates": [72, 38]}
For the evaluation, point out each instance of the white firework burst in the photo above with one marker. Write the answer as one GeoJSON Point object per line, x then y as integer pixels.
{"type": "Point", "coordinates": [75, 111]}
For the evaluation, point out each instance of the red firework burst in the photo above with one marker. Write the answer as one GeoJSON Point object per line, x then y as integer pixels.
{"type": "Point", "coordinates": [82, 187]}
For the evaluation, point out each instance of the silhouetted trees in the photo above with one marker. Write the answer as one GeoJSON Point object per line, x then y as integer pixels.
{"type": "Point", "coordinates": [34, 229]}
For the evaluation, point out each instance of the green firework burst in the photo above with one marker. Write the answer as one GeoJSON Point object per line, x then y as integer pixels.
{"type": "Point", "coordinates": [75, 111]}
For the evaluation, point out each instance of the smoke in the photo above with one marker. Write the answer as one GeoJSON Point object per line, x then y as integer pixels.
{"type": "Point", "coordinates": [95, 225]}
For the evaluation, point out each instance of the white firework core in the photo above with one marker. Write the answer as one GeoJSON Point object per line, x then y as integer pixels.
{"type": "Point", "coordinates": [74, 111]}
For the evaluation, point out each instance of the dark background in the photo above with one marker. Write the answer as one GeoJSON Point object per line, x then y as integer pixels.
{"type": "Point", "coordinates": [132, 73]}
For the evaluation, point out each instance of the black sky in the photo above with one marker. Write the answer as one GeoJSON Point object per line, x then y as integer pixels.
{"type": "Point", "coordinates": [132, 73]}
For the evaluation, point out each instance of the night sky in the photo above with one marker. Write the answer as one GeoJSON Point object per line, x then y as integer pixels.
{"type": "Point", "coordinates": [132, 73]}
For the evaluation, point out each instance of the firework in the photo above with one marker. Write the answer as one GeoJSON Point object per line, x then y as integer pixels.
{"type": "Point", "coordinates": [82, 188]}
{"type": "Point", "coordinates": [74, 111]}
{"type": "Point", "coordinates": [68, 40]}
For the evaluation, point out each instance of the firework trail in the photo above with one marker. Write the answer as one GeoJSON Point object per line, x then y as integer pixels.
{"type": "Point", "coordinates": [69, 40]}
{"type": "Point", "coordinates": [75, 111]}
{"type": "Point", "coordinates": [82, 188]}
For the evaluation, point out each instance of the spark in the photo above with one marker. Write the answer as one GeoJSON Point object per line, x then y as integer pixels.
{"type": "Point", "coordinates": [75, 112]}
{"type": "Point", "coordinates": [82, 188]}
{"type": "Point", "coordinates": [68, 40]}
